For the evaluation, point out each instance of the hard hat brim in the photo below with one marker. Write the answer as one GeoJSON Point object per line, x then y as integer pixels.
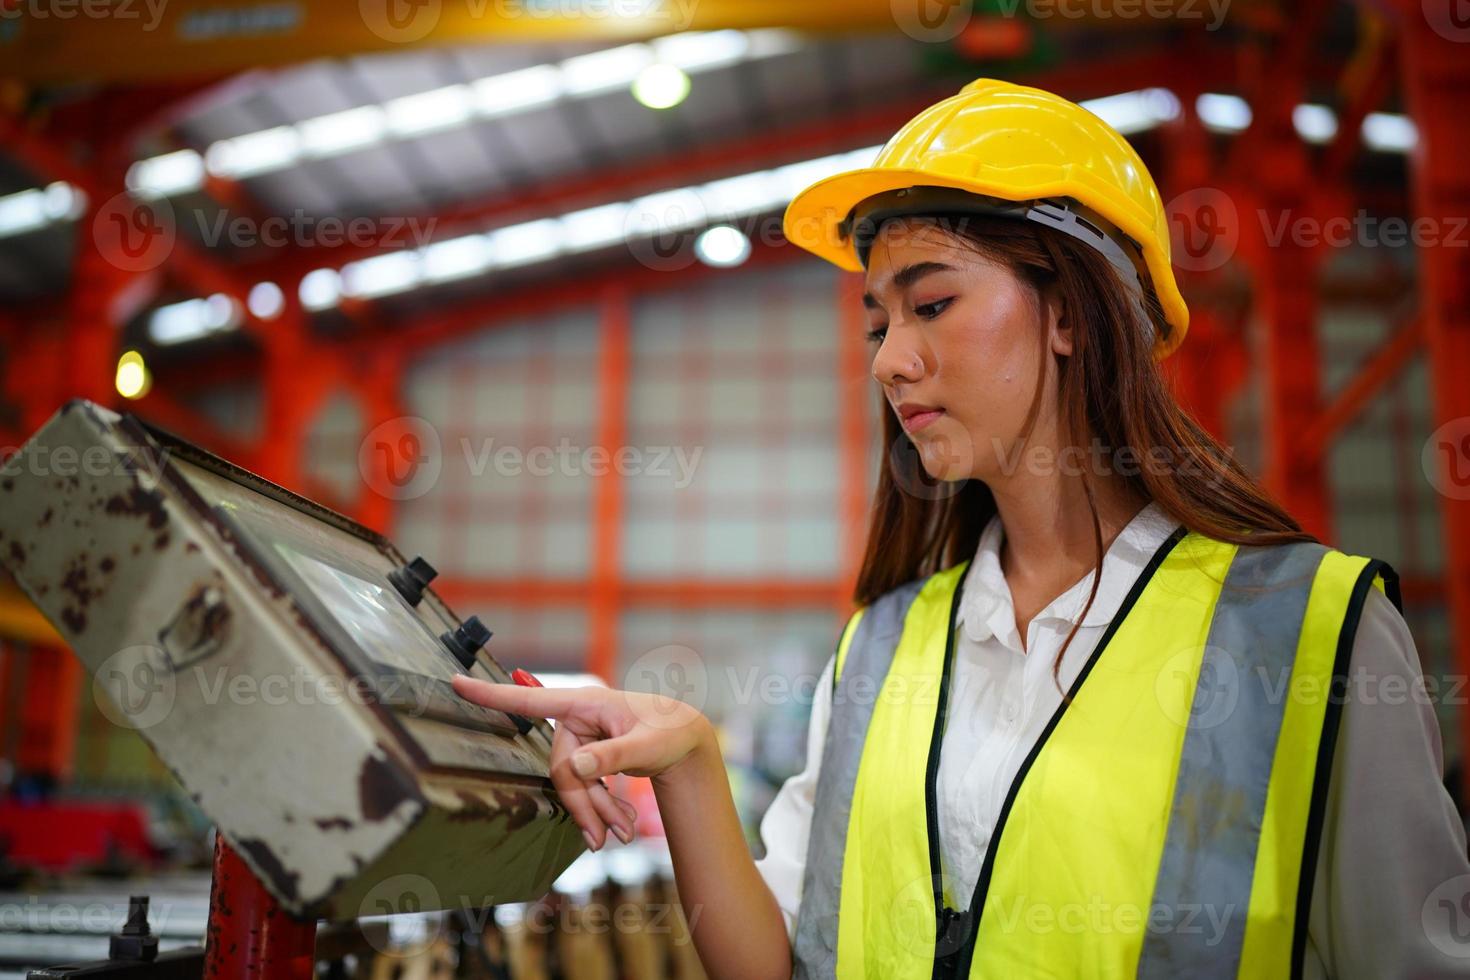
{"type": "Point", "coordinates": [815, 217]}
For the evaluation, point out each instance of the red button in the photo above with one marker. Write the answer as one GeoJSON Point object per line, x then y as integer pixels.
{"type": "Point", "coordinates": [525, 678]}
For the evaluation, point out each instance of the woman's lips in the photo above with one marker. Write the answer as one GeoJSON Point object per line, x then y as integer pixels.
{"type": "Point", "coordinates": [917, 421]}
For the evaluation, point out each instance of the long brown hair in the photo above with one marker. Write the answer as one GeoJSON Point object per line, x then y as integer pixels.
{"type": "Point", "coordinates": [1110, 389]}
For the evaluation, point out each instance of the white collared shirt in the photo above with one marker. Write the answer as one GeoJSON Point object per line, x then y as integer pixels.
{"type": "Point", "coordinates": [1365, 918]}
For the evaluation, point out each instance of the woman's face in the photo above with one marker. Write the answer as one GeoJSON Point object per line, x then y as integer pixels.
{"type": "Point", "coordinates": [957, 342]}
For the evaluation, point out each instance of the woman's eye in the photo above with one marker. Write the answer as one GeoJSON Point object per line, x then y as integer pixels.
{"type": "Point", "coordinates": [876, 335]}
{"type": "Point", "coordinates": [931, 310]}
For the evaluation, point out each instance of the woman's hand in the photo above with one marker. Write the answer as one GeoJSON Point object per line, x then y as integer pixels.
{"type": "Point", "coordinates": [600, 732]}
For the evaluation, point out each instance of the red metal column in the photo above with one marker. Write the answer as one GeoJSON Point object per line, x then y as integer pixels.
{"type": "Point", "coordinates": [377, 386]}
{"type": "Point", "coordinates": [296, 380]}
{"type": "Point", "coordinates": [1286, 269]}
{"type": "Point", "coordinates": [249, 934]}
{"type": "Point", "coordinates": [1436, 75]}
{"type": "Point", "coordinates": [854, 389]}
{"type": "Point", "coordinates": [607, 493]}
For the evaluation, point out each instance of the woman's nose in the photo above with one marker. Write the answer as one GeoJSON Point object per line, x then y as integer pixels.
{"type": "Point", "coordinates": [896, 364]}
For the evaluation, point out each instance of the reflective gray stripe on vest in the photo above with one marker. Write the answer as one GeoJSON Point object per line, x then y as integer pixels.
{"type": "Point", "coordinates": [869, 655]}
{"type": "Point", "coordinates": [1196, 926]}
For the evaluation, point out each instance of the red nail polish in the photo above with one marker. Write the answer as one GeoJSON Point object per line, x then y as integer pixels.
{"type": "Point", "coordinates": [525, 678]}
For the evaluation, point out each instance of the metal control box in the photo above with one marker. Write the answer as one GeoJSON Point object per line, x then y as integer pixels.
{"type": "Point", "coordinates": [260, 644]}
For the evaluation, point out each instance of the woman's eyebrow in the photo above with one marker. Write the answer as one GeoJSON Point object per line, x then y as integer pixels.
{"type": "Point", "coordinates": [906, 277]}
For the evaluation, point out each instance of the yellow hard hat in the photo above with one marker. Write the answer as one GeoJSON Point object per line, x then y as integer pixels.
{"type": "Point", "coordinates": [1006, 143]}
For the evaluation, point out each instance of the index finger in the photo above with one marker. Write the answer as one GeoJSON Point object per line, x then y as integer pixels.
{"type": "Point", "coordinates": [537, 702]}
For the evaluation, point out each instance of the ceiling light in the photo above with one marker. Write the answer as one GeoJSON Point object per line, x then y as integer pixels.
{"type": "Point", "coordinates": [661, 86]}
{"type": "Point", "coordinates": [133, 379]}
{"type": "Point", "coordinates": [265, 300]}
{"type": "Point", "coordinates": [1223, 113]}
{"type": "Point", "coordinates": [723, 246]}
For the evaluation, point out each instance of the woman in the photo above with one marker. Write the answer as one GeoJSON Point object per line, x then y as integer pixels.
{"type": "Point", "coordinates": [1202, 799]}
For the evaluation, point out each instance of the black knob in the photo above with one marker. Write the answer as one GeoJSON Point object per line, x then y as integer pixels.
{"type": "Point", "coordinates": [467, 640]}
{"type": "Point", "coordinates": [411, 579]}
{"type": "Point", "coordinates": [136, 941]}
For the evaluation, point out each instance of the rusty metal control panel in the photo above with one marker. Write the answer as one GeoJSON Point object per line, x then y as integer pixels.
{"type": "Point", "coordinates": [291, 667]}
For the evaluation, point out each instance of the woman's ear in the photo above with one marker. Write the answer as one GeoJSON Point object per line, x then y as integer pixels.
{"type": "Point", "coordinates": [1058, 324]}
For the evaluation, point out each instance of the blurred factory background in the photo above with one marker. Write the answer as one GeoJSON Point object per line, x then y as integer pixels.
{"type": "Point", "coordinates": [505, 281]}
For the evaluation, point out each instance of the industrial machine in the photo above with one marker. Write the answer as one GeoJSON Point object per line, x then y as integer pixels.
{"type": "Point", "coordinates": [291, 668]}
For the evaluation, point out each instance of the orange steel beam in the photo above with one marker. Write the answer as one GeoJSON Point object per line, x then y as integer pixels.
{"type": "Point", "coordinates": [377, 384]}
{"type": "Point", "coordinates": [613, 369]}
{"type": "Point", "coordinates": [1436, 81]}
{"type": "Point", "coordinates": [1272, 162]}
{"type": "Point", "coordinates": [1382, 367]}
{"type": "Point", "coordinates": [1365, 85]}
{"type": "Point", "coordinates": [148, 47]}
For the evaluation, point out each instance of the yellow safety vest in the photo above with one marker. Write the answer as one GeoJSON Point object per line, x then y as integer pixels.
{"type": "Point", "coordinates": [1164, 825]}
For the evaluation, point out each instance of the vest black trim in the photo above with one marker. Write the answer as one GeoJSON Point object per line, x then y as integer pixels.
{"type": "Point", "coordinates": [1331, 719]}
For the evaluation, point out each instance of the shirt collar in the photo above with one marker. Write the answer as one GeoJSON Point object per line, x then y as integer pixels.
{"type": "Point", "coordinates": [986, 608]}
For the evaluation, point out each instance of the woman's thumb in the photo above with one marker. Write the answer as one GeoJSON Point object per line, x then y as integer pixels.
{"type": "Point", "coordinates": [602, 758]}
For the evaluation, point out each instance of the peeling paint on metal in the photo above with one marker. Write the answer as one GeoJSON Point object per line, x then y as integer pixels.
{"type": "Point", "coordinates": [141, 503]}
{"type": "Point", "coordinates": [284, 882]}
{"type": "Point", "coordinates": [380, 788]}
